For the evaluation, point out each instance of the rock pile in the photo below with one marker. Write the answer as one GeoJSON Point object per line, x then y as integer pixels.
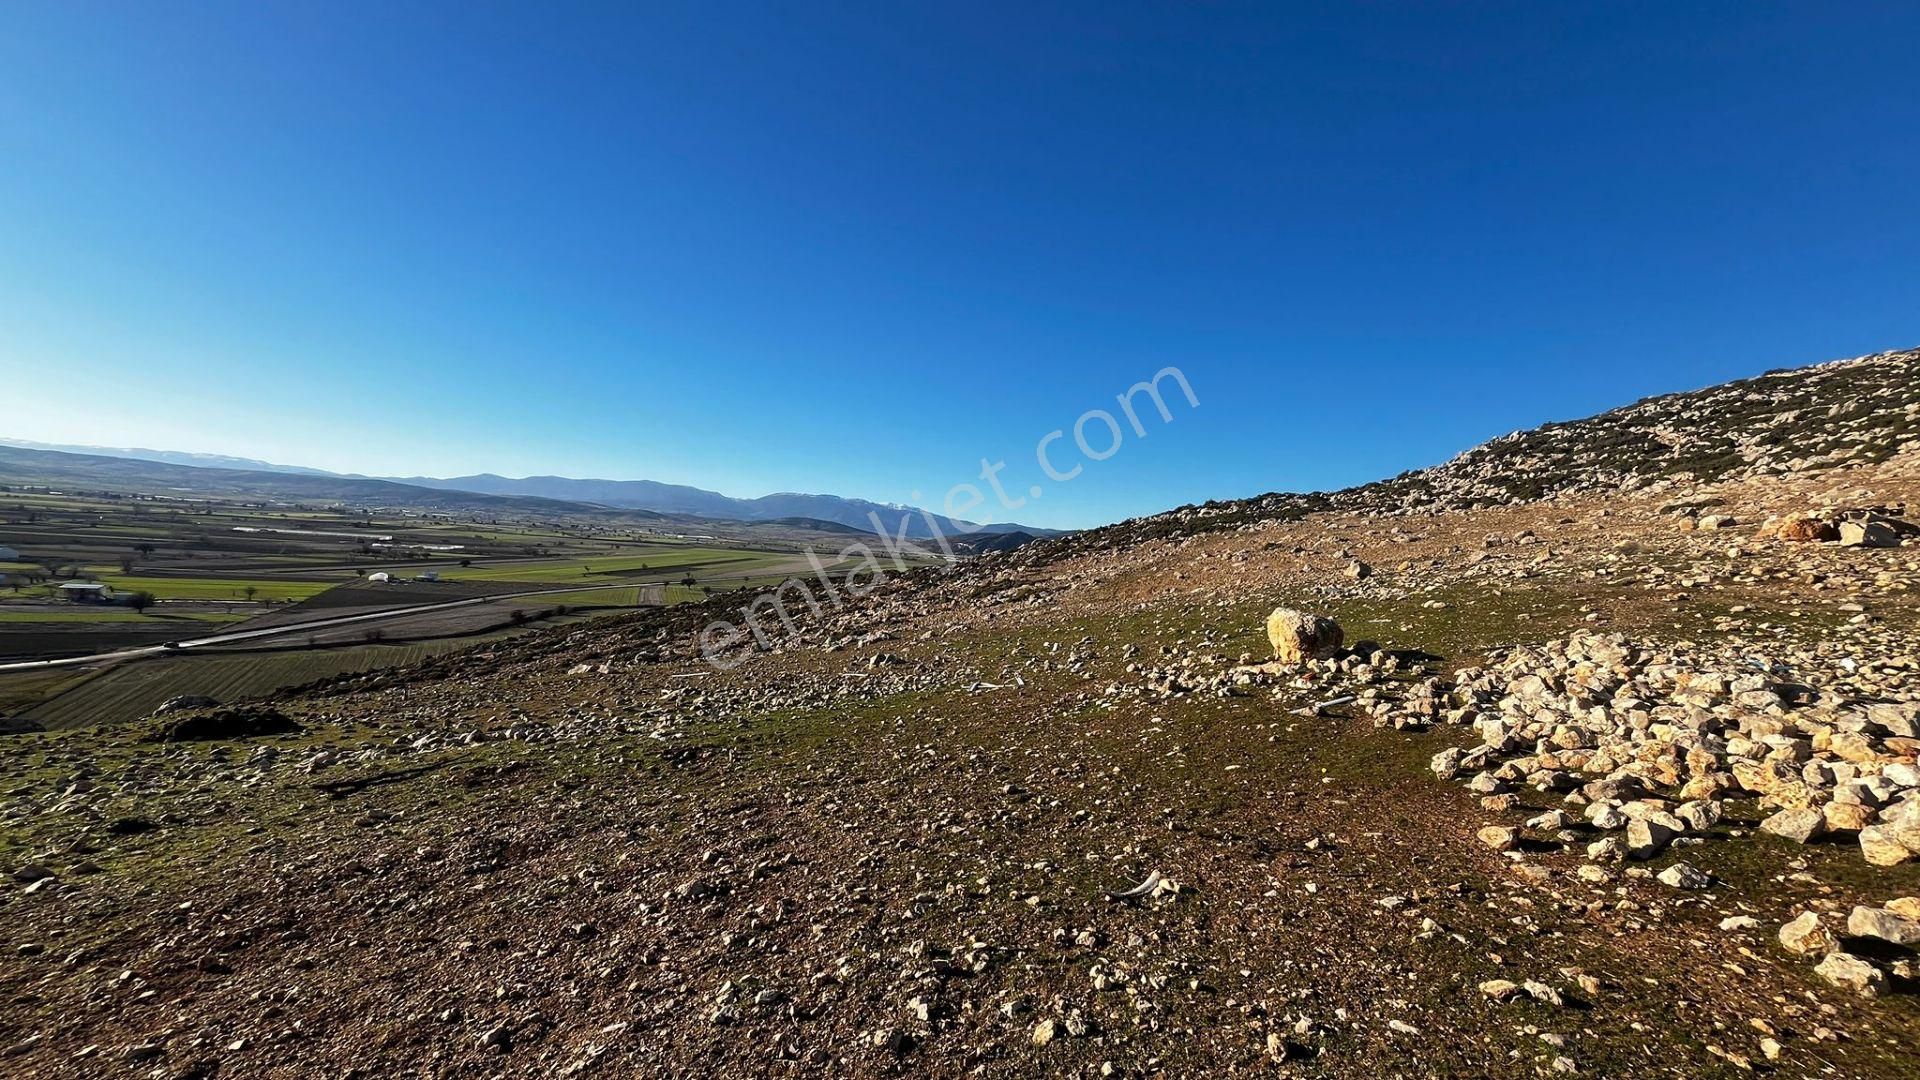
{"type": "Point", "coordinates": [1644, 743]}
{"type": "Point", "coordinates": [1878, 527]}
{"type": "Point", "coordinates": [1648, 741]}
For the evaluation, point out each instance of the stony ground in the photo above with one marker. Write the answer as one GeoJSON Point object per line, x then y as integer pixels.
{"type": "Point", "coordinates": [893, 846]}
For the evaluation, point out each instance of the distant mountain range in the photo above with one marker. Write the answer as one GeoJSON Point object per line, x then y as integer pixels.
{"type": "Point", "coordinates": [680, 499]}
{"type": "Point", "coordinates": [644, 495]}
{"type": "Point", "coordinates": [80, 471]}
{"type": "Point", "coordinates": [171, 457]}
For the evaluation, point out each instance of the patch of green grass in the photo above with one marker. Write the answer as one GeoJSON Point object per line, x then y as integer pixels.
{"type": "Point", "coordinates": [216, 588]}
{"type": "Point", "coordinates": [20, 690]}
{"type": "Point", "coordinates": [1757, 863]}
{"type": "Point", "coordinates": [621, 596]}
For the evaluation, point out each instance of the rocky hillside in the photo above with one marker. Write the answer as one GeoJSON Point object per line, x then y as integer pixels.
{"type": "Point", "coordinates": [1781, 424]}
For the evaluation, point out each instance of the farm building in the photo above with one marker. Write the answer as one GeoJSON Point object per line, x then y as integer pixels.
{"type": "Point", "coordinates": [381, 577]}
{"type": "Point", "coordinates": [86, 592]}
{"type": "Point", "coordinates": [8, 554]}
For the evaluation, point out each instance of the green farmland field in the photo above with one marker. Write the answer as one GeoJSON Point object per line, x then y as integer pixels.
{"type": "Point", "coordinates": [211, 588]}
{"type": "Point", "coordinates": [627, 596]}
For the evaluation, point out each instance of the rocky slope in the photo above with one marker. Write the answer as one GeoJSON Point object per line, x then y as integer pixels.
{"type": "Point", "coordinates": [1053, 813]}
{"type": "Point", "coordinates": [1781, 424]}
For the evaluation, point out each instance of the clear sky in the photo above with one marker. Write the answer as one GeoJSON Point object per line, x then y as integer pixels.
{"type": "Point", "coordinates": [857, 248]}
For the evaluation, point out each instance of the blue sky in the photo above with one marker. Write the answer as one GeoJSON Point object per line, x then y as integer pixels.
{"type": "Point", "coordinates": [858, 248]}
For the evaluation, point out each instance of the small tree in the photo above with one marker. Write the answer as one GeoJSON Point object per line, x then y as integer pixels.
{"type": "Point", "coordinates": [251, 591]}
{"type": "Point", "coordinates": [126, 564]}
{"type": "Point", "coordinates": [140, 600]}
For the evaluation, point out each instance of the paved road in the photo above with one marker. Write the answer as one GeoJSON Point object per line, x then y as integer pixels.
{"type": "Point", "coordinates": [301, 627]}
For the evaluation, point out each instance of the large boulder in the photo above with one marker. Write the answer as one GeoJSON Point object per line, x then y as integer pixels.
{"type": "Point", "coordinates": [1799, 826]}
{"type": "Point", "coordinates": [1902, 823]}
{"type": "Point", "coordinates": [1805, 528]}
{"type": "Point", "coordinates": [1880, 848]}
{"type": "Point", "coordinates": [1901, 719]}
{"type": "Point", "coordinates": [1298, 637]}
{"type": "Point", "coordinates": [1647, 838]}
{"type": "Point", "coordinates": [1885, 925]}
{"type": "Point", "coordinates": [1871, 533]}
{"type": "Point", "coordinates": [1850, 972]}
{"type": "Point", "coordinates": [1839, 817]}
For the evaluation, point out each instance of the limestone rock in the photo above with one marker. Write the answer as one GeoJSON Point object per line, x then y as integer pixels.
{"type": "Point", "coordinates": [1845, 817]}
{"type": "Point", "coordinates": [1683, 876]}
{"type": "Point", "coordinates": [1850, 972]}
{"type": "Point", "coordinates": [1805, 528]}
{"type": "Point", "coordinates": [1868, 534]}
{"type": "Point", "coordinates": [1806, 935]}
{"type": "Point", "coordinates": [1500, 989]}
{"type": "Point", "coordinates": [1298, 636]}
{"type": "Point", "coordinates": [1880, 848]}
{"type": "Point", "coordinates": [1902, 823]}
{"type": "Point", "coordinates": [1799, 826]}
{"type": "Point", "coordinates": [1500, 838]}
{"type": "Point", "coordinates": [1645, 838]}
{"type": "Point", "coordinates": [1872, 922]}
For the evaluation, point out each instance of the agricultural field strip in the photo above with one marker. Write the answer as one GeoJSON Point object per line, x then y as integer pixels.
{"type": "Point", "coordinates": [588, 566]}
{"type": "Point", "coordinates": [276, 631]}
{"type": "Point", "coordinates": [135, 690]}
